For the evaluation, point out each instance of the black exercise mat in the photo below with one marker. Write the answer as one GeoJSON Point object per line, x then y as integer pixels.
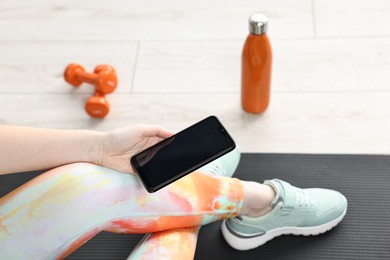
{"type": "Point", "coordinates": [363, 234]}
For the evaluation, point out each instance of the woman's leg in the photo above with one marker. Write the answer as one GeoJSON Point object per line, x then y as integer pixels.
{"type": "Point", "coordinates": [52, 215]}
{"type": "Point", "coordinates": [180, 243]}
{"type": "Point", "coordinates": [174, 244]}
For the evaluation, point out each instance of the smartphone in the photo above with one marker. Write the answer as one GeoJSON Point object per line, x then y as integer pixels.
{"type": "Point", "coordinates": [183, 153]}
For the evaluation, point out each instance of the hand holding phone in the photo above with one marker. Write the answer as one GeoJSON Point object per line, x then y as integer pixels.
{"type": "Point", "coordinates": [182, 153]}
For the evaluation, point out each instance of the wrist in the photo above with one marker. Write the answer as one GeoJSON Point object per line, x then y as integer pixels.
{"type": "Point", "coordinates": [95, 147]}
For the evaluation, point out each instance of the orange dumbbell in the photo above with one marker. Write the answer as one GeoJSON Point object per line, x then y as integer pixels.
{"type": "Point", "coordinates": [103, 78]}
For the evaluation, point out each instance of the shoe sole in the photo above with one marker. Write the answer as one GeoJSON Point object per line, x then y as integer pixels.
{"type": "Point", "coordinates": [253, 242]}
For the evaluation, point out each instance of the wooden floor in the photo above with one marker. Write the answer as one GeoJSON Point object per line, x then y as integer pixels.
{"type": "Point", "coordinates": [179, 61]}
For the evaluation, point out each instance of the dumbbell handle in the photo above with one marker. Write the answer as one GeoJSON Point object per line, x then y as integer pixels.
{"type": "Point", "coordinates": [86, 77]}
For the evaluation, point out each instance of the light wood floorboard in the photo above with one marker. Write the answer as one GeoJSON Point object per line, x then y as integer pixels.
{"type": "Point", "coordinates": [149, 20]}
{"type": "Point", "coordinates": [352, 18]}
{"type": "Point", "coordinates": [299, 65]}
{"type": "Point", "coordinates": [295, 122]}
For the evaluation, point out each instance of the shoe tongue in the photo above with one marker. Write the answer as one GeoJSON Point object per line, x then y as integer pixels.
{"type": "Point", "coordinates": [276, 200]}
{"type": "Point", "coordinates": [285, 193]}
{"type": "Point", "coordinates": [279, 192]}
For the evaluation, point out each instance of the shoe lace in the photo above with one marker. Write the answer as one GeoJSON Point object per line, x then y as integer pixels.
{"type": "Point", "coordinates": [303, 198]}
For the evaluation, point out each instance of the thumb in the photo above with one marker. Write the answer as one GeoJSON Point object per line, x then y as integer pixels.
{"type": "Point", "coordinates": [156, 131]}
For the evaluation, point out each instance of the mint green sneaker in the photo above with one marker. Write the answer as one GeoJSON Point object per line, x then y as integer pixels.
{"type": "Point", "coordinates": [225, 165]}
{"type": "Point", "coordinates": [294, 211]}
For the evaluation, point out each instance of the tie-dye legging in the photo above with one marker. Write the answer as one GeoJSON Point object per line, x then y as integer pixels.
{"type": "Point", "coordinates": [55, 213]}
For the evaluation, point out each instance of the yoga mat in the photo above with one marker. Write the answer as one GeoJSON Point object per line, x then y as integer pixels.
{"type": "Point", "coordinates": [363, 234]}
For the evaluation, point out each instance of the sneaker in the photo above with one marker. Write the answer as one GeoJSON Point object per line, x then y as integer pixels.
{"type": "Point", "coordinates": [294, 211]}
{"type": "Point", "coordinates": [225, 165]}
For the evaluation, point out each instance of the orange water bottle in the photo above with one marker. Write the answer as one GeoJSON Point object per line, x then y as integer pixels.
{"type": "Point", "coordinates": [256, 66]}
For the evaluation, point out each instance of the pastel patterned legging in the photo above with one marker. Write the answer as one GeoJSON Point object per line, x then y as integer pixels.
{"type": "Point", "coordinates": [55, 213]}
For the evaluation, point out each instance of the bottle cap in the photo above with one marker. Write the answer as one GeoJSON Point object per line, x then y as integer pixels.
{"type": "Point", "coordinates": [258, 24]}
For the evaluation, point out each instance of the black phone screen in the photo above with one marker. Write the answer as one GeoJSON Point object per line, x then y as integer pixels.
{"type": "Point", "coordinates": [182, 153]}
